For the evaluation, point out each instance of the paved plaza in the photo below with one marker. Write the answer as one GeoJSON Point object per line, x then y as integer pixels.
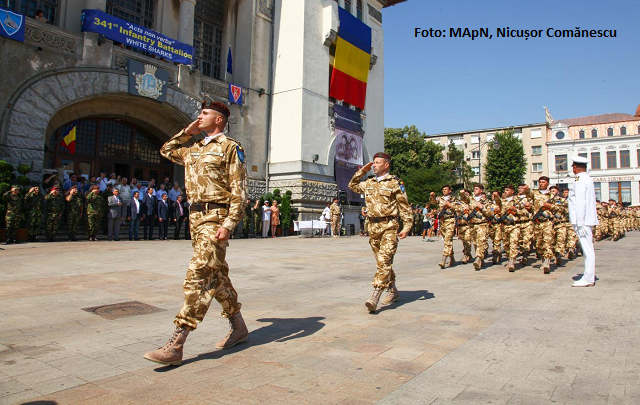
{"type": "Point", "coordinates": [456, 336]}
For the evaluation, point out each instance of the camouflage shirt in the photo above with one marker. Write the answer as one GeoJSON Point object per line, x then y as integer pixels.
{"type": "Point", "coordinates": [335, 210]}
{"type": "Point", "coordinates": [95, 204]}
{"type": "Point", "coordinates": [561, 215]}
{"type": "Point", "coordinates": [539, 199]}
{"type": "Point", "coordinates": [384, 198]}
{"type": "Point", "coordinates": [516, 203]}
{"type": "Point", "coordinates": [33, 202]}
{"type": "Point", "coordinates": [55, 204]}
{"type": "Point", "coordinates": [214, 173]}
{"type": "Point", "coordinates": [14, 202]}
{"type": "Point", "coordinates": [440, 201]}
{"type": "Point", "coordinates": [74, 204]}
{"type": "Point", "coordinates": [479, 215]}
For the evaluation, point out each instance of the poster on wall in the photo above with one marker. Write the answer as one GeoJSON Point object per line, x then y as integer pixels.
{"type": "Point", "coordinates": [12, 24]}
{"type": "Point", "coordinates": [348, 147]}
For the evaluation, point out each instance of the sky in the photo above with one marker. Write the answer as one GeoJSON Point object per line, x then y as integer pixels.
{"type": "Point", "coordinates": [458, 84]}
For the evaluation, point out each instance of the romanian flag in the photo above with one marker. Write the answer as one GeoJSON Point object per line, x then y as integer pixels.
{"type": "Point", "coordinates": [69, 139]}
{"type": "Point", "coordinates": [351, 63]}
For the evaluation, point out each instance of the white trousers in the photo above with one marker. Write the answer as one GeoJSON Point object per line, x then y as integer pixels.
{"type": "Point", "coordinates": [589, 275]}
{"type": "Point", "coordinates": [265, 228]}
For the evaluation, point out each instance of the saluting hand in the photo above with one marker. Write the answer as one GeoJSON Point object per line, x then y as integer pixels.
{"type": "Point", "coordinates": [367, 167]}
{"type": "Point", "coordinates": [193, 128]}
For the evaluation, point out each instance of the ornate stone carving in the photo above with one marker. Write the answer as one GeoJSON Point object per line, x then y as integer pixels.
{"type": "Point", "coordinates": [375, 13]}
{"type": "Point", "coordinates": [256, 188]}
{"type": "Point", "coordinates": [306, 190]}
{"type": "Point", "coordinates": [120, 61]}
{"type": "Point", "coordinates": [51, 39]}
{"type": "Point", "coordinates": [266, 8]}
{"type": "Point", "coordinates": [373, 61]}
{"type": "Point", "coordinates": [330, 38]}
{"type": "Point", "coordinates": [214, 89]}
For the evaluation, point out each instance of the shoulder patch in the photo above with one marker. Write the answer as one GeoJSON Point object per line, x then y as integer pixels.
{"type": "Point", "coordinates": [400, 183]}
{"type": "Point", "coordinates": [240, 152]}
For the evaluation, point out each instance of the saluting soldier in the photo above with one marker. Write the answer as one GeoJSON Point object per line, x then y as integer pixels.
{"type": "Point", "coordinates": [386, 199]}
{"type": "Point", "coordinates": [74, 212]}
{"type": "Point", "coordinates": [95, 210]}
{"type": "Point", "coordinates": [479, 211]}
{"type": "Point", "coordinates": [33, 204]}
{"type": "Point", "coordinates": [215, 180]}
{"type": "Point", "coordinates": [14, 210]}
{"type": "Point", "coordinates": [335, 218]}
{"type": "Point", "coordinates": [55, 208]}
{"type": "Point", "coordinates": [446, 222]}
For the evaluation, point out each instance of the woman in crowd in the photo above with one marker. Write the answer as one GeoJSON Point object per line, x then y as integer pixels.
{"type": "Point", "coordinates": [275, 218]}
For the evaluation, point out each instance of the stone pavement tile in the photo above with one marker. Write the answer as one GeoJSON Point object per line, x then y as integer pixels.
{"type": "Point", "coordinates": [314, 397]}
{"type": "Point", "coordinates": [402, 353]}
{"type": "Point", "coordinates": [21, 366]}
{"type": "Point", "coordinates": [518, 399]}
{"type": "Point", "coordinates": [40, 376]}
{"type": "Point", "coordinates": [294, 377]}
{"type": "Point", "coordinates": [483, 380]}
{"type": "Point", "coordinates": [59, 384]}
{"type": "Point", "coordinates": [328, 383]}
{"type": "Point", "coordinates": [123, 384]}
{"type": "Point", "coordinates": [632, 390]}
{"type": "Point", "coordinates": [371, 349]}
{"type": "Point", "coordinates": [405, 397]}
{"type": "Point", "coordinates": [398, 366]}
{"type": "Point", "coordinates": [74, 395]}
{"type": "Point", "coordinates": [12, 387]}
{"type": "Point", "coordinates": [353, 401]}
{"type": "Point", "coordinates": [529, 388]}
{"type": "Point", "coordinates": [556, 376]}
{"type": "Point", "coordinates": [474, 395]}
{"type": "Point", "coordinates": [577, 395]}
{"type": "Point", "coordinates": [19, 397]}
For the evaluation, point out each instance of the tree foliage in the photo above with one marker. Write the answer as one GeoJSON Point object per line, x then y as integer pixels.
{"type": "Point", "coordinates": [458, 165]}
{"type": "Point", "coordinates": [420, 182]}
{"type": "Point", "coordinates": [409, 149]}
{"type": "Point", "coordinates": [506, 164]}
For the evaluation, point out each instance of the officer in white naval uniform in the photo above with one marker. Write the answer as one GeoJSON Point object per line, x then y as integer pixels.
{"type": "Point", "coordinates": [583, 217]}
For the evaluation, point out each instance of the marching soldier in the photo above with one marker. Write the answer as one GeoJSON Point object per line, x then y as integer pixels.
{"type": "Point", "coordinates": [544, 206]}
{"type": "Point", "coordinates": [55, 208]}
{"type": "Point", "coordinates": [14, 210]}
{"type": "Point", "coordinates": [614, 223]}
{"type": "Point", "coordinates": [525, 198]}
{"type": "Point", "coordinates": [561, 225]}
{"type": "Point", "coordinates": [479, 211]}
{"type": "Point", "coordinates": [572, 238]}
{"type": "Point", "coordinates": [33, 203]}
{"type": "Point", "coordinates": [463, 224]}
{"type": "Point", "coordinates": [95, 210]}
{"type": "Point", "coordinates": [446, 222]}
{"type": "Point", "coordinates": [514, 212]}
{"type": "Point", "coordinates": [74, 212]}
{"type": "Point", "coordinates": [335, 218]}
{"type": "Point", "coordinates": [386, 199]}
{"type": "Point", "coordinates": [215, 178]}
{"type": "Point", "coordinates": [495, 229]}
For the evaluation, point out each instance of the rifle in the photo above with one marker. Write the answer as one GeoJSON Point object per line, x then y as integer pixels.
{"type": "Point", "coordinates": [540, 211]}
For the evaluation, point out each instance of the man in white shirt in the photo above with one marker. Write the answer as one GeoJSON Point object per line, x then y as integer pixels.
{"type": "Point", "coordinates": [266, 219]}
{"type": "Point", "coordinates": [583, 217]}
{"type": "Point", "coordinates": [102, 181]}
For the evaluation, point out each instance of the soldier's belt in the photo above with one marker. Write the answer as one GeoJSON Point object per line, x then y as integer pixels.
{"type": "Point", "coordinates": [202, 207]}
{"type": "Point", "coordinates": [375, 220]}
{"type": "Point", "coordinates": [543, 219]}
{"type": "Point", "coordinates": [523, 222]}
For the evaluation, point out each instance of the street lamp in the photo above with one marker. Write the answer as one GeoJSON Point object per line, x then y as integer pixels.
{"type": "Point", "coordinates": [494, 144]}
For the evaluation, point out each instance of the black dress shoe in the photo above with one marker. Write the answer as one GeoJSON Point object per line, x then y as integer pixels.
{"type": "Point", "coordinates": [117, 239]}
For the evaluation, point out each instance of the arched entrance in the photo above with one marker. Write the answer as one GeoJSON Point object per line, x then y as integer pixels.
{"type": "Point", "coordinates": [111, 145]}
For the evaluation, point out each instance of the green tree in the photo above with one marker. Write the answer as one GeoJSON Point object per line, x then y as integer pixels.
{"type": "Point", "coordinates": [409, 149]}
{"type": "Point", "coordinates": [507, 163]}
{"type": "Point", "coordinates": [420, 182]}
{"type": "Point", "coordinates": [457, 164]}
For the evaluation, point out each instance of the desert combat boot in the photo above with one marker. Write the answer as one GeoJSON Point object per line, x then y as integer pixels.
{"type": "Point", "coordinates": [392, 295]}
{"type": "Point", "coordinates": [171, 353]}
{"type": "Point", "coordinates": [237, 334]}
{"type": "Point", "coordinates": [372, 303]}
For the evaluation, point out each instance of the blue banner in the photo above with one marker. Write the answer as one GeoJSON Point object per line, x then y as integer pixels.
{"type": "Point", "coordinates": [348, 119]}
{"type": "Point", "coordinates": [235, 94]}
{"type": "Point", "coordinates": [136, 36]}
{"type": "Point", "coordinates": [12, 24]}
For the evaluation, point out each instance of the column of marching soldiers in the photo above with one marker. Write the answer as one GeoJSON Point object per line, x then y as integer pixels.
{"type": "Point", "coordinates": [520, 221]}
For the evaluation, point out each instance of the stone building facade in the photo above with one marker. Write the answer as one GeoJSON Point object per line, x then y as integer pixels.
{"type": "Point", "coordinates": [282, 56]}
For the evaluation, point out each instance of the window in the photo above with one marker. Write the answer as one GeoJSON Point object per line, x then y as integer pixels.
{"type": "Point", "coordinates": [491, 136]}
{"type": "Point", "coordinates": [561, 163]}
{"type": "Point", "coordinates": [536, 133]}
{"type": "Point", "coordinates": [535, 184]}
{"type": "Point", "coordinates": [475, 139]}
{"type": "Point", "coordinates": [595, 160]}
{"type": "Point", "coordinates": [359, 10]}
{"type": "Point", "coordinates": [29, 8]}
{"type": "Point", "coordinates": [475, 154]}
{"type": "Point", "coordinates": [536, 150]}
{"type": "Point", "coordinates": [614, 191]}
{"type": "Point", "coordinates": [536, 167]}
{"type": "Point", "coordinates": [594, 133]}
{"type": "Point", "coordinates": [207, 37]}
{"type": "Point", "coordinates": [625, 159]}
{"type": "Point", "coordinates": [625, 192]}
{"type": "Point", "coordinates": [623, 130]}
{"type": "Point", "coordinates": [559, 135]}
{"type": "Point", "coordinates": [581, 134]}
{"type": "Point", "coordinates": [612, 160]}
{"type": "Point", "coordinates": [597, 188]}
{"type": "Point", "coordinates": [347, 5]}
{"type": "Point", "coordinates": [639, 129]}
{"type": "Point", "coordinates": [138, 12]}
{"type": "Point", "coordinates": [609, 131]}
{"type": "Point", "coordinates": [583, 154]}
{"type": "Point", "coordinates": [476, 171]}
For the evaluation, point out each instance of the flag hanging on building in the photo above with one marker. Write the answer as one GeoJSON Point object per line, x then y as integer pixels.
{"type": "Point", "coordinates": [69, 139]}
{"type": "Point", "coordinates": [235, 94]}
{"type": "Point", "coordinates": [351, 62]}
{"type": "Point", "coordinates": [229, 62]}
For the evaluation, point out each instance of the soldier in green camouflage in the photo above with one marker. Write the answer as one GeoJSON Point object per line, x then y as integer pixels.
{"type": "Point", "coordinates": [55, 208]}
{"type": "Point", "coordinates": [33, 205]}
{"type": "Point", "coordinates": [246, 219]}
{"type": "Point", "coordinates": [74, 212]}
{"type": "Point", "coordinates": [95, 210]}
{"type": "Point", "coordinates": [257, 218]}
{"type": "Point", "coordinates": [14, 209]}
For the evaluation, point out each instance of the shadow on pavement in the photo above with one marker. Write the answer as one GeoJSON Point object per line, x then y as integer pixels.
{"type": "Point", "coordinates": [407, 297]}
{"type": "Point", "coordinates": [279, 330]}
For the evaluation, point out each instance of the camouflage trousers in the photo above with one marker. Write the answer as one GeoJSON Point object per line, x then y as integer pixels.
{"type": "Point", "coordinates": [246, 225]}
{"type": "Point", "coordinates": [53, 223]}
{"type": "Point", "coordinates": [33, 223]}
{"type": "Point", "coordinates": [335, 226]}
{"type": "Point", "coordinates": [257, 225]}
{"type": "Point", "coordinates": [383, 238]}
{"type": "Point", "coordinates": [479, 234]}
{"type": "Point", "coordinates": [495, 234]}
{"type": "Point", "coordinates": [526, 236]}
{"type": "Point", "coordinates": [73, 220]}
{"type": "Point", "coordinates": [94, 221]}
{"type": "Point", "coordinates": [511, 238]}
{"type": "Point", "coordinates": [12, 220]}
{"type": "Point", "coordinates": [208, 273]}
{"type": "Point", "coordinates": [447, 228]}
{"type": "Point", "coordinates": [464, 234]}
{"type": "Point", "coordinates": [562, 237]}
{"type": "Point", "coordinates": [546, 239]}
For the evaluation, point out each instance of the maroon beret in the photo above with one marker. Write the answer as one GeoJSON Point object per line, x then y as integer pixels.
{"type": "Point", "coordinates": [382, 155]}
{"type": "Point", "coordinates": [217, 106]}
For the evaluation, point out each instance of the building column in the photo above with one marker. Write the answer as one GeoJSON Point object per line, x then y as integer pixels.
{"type": "Point", "coordinates": [96, 5]}
{"type": "Point", "coordinates": [187, 15]}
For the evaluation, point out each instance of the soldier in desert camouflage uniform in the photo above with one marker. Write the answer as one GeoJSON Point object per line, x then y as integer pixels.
{"type": "Point", "coordinates": [446, 215]}
{"type": "Point", "coordinates": [335, 218]}
{"type": "Point", "coordinates": [525, 198]}
{"type": "Point", "coordinates": [215, 180]}
{"type": "Point", "coordinates": [513, 212]}
{"type": "Point", "coordinates": [13, 200]}
{"type": "Point", "coordinates": [479, 211]}
{"type": "Point", "coordinates": [544, 205]}
{"type": "Point", "coordinates": [561, 225]}
{"type": "Point", "coordinates": [463, 225]}
{"type": "Point", "coordinates": [33, 204]}
{"type": "Point", "coordinates": [386, 199]}
{"type": "Point", "coordinates": [495, 229]}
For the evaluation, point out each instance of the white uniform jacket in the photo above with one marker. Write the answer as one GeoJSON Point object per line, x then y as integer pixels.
{"type": "Point", "coordinates": [582, 201]}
